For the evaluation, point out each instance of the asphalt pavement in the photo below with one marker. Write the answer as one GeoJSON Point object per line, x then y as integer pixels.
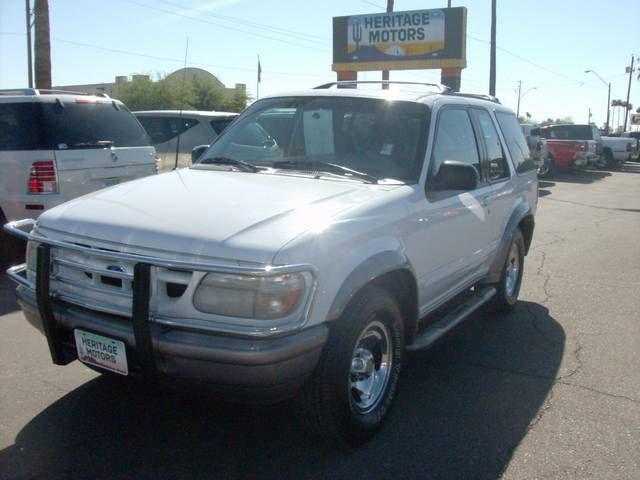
{"type": "Point", "coordinates": [551, 390]}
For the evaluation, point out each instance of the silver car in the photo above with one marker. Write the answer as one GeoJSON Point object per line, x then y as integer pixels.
{"type": "Point", "coordinates": [174, 133]}
{"type": "Point", "coordinates": [538, 147]}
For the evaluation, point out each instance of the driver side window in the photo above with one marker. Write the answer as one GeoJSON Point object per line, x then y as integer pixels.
{"type": "Point", "coordinates": [454, 141]}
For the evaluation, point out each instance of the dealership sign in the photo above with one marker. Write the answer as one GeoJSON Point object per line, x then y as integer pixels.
{"type": "Point", "coordinates": [401, 40]}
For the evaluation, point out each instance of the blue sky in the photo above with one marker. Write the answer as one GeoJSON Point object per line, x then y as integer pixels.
{"type": "Point", "coordinates": [546, 44]}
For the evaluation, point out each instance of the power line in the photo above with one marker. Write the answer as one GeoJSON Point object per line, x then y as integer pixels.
{"type": "Point", "coordinates": [168, 59]}
{"type": "Point", "coordinates": [305, 36]}
{"type": "Point", "coordinates": [208, 22]}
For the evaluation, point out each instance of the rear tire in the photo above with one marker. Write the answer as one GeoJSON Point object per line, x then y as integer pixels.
{"type": "Point", "coordinates": [547, 169]}
{"type": "Point", "coordinates": [508, 288]}
{"type": "Point", "coordinates": [12, 249]}
{"type": "Point", "coordinates": [610, 161]}
{"type": "Point", "coordinates": [351, 391]}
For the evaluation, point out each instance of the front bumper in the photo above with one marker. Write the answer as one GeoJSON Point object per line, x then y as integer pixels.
{"type": "Point", "coordinates": [254, 369]}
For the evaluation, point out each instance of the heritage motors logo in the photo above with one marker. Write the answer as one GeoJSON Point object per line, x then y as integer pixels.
{"type": "Point", "coordinates": [416, 34]}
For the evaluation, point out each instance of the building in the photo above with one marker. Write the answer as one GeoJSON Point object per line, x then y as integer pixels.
{"type": "Point", "coordinates": [112, 89]}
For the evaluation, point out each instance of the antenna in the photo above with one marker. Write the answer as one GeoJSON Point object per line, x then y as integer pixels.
{"type": "Point", "coordinates": [184, 81]}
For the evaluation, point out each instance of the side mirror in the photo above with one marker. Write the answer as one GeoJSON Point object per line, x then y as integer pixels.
{"type": "Point", "coordinates": [197, 152]}
{"type": "Point", "coordinates": [455, 175]}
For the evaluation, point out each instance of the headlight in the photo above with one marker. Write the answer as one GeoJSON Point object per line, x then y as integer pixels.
{"type": "Point", "coordinates": [246, 296]}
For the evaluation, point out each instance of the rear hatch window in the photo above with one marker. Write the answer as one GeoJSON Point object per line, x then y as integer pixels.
{"type": "Point", "coordinates": [569, 132]}
{"type": "Point", "coordinates": [89, 124]}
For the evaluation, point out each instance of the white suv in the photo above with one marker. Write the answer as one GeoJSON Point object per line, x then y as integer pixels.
{"type": "Point", "coordinates": [322, 235]}
{"type": "Point", "coordinates": [56, 146]}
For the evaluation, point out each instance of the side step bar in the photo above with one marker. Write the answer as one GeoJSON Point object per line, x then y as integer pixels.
{"type": "Point", "coordinates": [429, 335]}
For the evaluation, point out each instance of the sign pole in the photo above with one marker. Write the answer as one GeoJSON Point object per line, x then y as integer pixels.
{"type": "Point", "coordinates": [385, 73]}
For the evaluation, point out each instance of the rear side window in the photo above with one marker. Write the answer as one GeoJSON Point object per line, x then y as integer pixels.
{"type": "Point", "coordinates": [569, 132]}
{"type": "Point", "coordinates": [163, 129]}
{"type": "Point", "coordinates": [516, 142]}
{"type": "Point", "coordinates": [76, 125]}
{"type": "Point", "coordinates": [219, 125]}
{"type": "Point", "coordinates": [21, 127]}
{"type": "Point", "coordinates": [498, 168]}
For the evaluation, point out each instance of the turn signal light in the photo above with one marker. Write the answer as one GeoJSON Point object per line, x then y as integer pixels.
{"type": "Point", "coordinates": [43, 177]}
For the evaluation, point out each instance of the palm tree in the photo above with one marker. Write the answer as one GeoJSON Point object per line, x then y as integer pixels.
{"type": "Point", "coordinates": [42, 47]}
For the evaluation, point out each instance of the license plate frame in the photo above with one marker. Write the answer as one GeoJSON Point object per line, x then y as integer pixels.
{"type": "Point", "coordinates": [101, 351]}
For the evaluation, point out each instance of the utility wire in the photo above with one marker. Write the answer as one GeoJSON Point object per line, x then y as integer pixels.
{"type": "Point", "coordinates": [168, 59]}
{"type": "Point", "coordinates": [305, 36]}
{"type": "Point", "coordinates": [208, 22]}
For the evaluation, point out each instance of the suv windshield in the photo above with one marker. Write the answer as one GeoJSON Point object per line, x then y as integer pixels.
{"type": "Point", "coordinates": [380, 138]}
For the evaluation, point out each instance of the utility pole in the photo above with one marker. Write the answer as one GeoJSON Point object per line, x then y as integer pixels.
{"type": "Point", "coordinates": [385, 73]}
{"type": "Point", "coordinates": [519, 90]}
{"type": "Point", "coordinates": [42, 44]}
{"type": "Point", "coordinates": [589, 117]}
{"type": "Point", "coordinates": [29, 59]}
{"type": "Point", "coordinates": [492, 62]}
{"type": "Point", "coordinates": [626, 107]}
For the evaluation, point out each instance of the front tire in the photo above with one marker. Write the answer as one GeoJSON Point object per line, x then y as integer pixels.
{"type": "Point", "coordinates": [350, 394]}
{"type": "Point", "coordinates": [547, 168]}
{"type": "Point", "coordinates": [508, 288]}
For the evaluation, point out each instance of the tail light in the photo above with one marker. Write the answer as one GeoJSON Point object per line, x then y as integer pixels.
{"type": "Point", "coordinates": [43, 177]}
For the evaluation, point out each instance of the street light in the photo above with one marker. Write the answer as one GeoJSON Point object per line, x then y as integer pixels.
{"type": "Point", "coordinates": [522, 96]}
{"type": "Point", "coordinates": [606, 127]}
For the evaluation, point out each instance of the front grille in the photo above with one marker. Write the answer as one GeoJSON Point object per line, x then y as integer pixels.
{"type": "Point", "coordinates": [97, 283]}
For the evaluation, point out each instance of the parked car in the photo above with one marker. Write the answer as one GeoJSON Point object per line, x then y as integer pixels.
{"type": "Point", "coordinates": [297, 259]}
{"type": "Point", "coordinates": [617, 150]}
{"type": "Point", "coordinates": [191, 128]}
{"type": "Point", "coordinates": [635, 153]}
{"type": "Point", "coordinates": [573, 146]}
{"type": "Point", "coordinates": [55, 146]}
{"type": "Point", "coordinates": [538, 148]}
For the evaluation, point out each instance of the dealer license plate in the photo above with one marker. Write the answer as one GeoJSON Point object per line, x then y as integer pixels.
{"type": "Point", "coordinates": [103, 352]}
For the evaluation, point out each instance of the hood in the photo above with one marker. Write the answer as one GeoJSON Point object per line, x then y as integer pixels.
{"type": "Point", "coordinates": [206, 213]}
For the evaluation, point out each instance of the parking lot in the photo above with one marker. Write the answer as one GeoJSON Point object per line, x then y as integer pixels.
{"type": "Point", "coordinates": [550, 391]}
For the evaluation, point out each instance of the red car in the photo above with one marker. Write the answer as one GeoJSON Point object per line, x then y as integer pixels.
{"type": "Point", "coordinates": [573, 145]}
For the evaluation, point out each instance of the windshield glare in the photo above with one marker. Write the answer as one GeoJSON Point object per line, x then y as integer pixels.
{"type": "Point", "coordinates": [384, 139]}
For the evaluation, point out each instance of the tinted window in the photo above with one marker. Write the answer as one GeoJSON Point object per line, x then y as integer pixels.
{"type": "Point", "coordinates": [220, 124]}
{"type": "Point", "coordinates": [162, 129]}
{"type": "Point", "coordinates": [454, 141]}
{"type": "Point", "coordinates": [383, 139]}
{"type": "Point", "coordinates": [495, 155]}
{"type": "Point", "coordinates": [568, 132]}
{"type": "Point", "coordinates": [516, 142]}
{"type": "Point", "coordinates": [78, 125]}
{"type": "Point", "coordinates": [21, 127]}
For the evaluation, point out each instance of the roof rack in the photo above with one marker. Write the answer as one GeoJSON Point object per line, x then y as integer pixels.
{"type": "Point", "coordinates": [439, 86]}
{"type": "Point", "coordinates": [490, 98]}
{"type": "Point", "coordinates": [41, 91]}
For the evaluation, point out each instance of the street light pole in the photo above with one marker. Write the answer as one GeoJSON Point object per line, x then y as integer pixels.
{"type": "Point", "coordinates": [608, 84]}
{"type": "Point", "coordinates": [519, 90]}
{"type": "Point", "coordinates": [492, 53]}
{"type": "Point", "coordinates": [385, 73]}
{"type": "Point", "coordinates": [626, 108]}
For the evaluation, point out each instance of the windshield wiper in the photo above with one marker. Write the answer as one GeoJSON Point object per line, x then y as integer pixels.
{"type": "Point", "coordinates": [241, 164]}
{"type": "Point", "coordinates": [325, 167]}
{"type": "Point", "coordinates": [96, 144]}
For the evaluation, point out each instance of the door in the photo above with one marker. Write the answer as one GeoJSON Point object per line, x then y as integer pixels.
{"type": "Point", "coordinates": [450, 243]}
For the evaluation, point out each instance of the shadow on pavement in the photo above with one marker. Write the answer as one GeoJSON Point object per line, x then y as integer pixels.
{"type": "Point", "coordinates": [579, 176]}
{"type": "Point", "coordinates": [461, 410]}
{"type": "Point", "coordinates": [8, 302]}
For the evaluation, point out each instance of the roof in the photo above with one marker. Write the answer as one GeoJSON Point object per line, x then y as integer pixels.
{"type": "Point", "coordinates": [413, 92]}
{"type": "Point", "coordinates": [190, 113]}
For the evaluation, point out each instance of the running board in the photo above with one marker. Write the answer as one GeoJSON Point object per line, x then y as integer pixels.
{"type": "Point", "coordinates": [429, 335]}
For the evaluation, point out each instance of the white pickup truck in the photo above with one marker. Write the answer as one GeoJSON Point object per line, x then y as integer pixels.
{"type": "Point", "coordinates": [617, 150]}
{"type": "Point", "coordinates": [320, 237]}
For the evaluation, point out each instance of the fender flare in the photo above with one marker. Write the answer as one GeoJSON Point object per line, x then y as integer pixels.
{"type": "Point", "coordinates": [370, 269]}
{"type": "Point", "coordinates": [521, 212]}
